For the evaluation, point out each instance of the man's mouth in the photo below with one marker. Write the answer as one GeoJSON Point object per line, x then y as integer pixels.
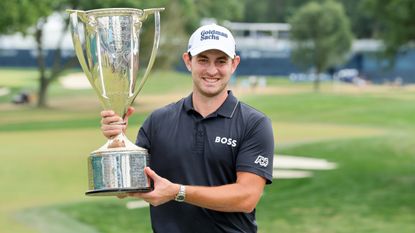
{"type": "Point", "coordinates": [210, 80]}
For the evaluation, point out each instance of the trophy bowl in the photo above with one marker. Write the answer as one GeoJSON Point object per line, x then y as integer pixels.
{"type": "Point", "coordinates": [107, 44]}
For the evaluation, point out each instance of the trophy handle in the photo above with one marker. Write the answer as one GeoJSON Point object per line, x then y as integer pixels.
{"type": "Point", "coordinates": [73, 17]}
{"type": "Point", "coordinates": [156, 12]}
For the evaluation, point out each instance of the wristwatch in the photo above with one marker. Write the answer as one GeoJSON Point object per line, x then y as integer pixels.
{"type": "Point", "coordinates": [181, 195]}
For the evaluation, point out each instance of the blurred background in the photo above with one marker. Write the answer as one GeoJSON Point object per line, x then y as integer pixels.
{"type": "Point", "coordinates": [336, 78]}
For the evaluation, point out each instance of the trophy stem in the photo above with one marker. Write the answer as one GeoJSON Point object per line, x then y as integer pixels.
{"type": "Point", "coordinates": [117, 143]}
{"type": "Point", "coordinates": [120, 141]}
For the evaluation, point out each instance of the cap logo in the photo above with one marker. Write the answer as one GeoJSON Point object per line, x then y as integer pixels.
{"type": "Point", "coordinates": [212, 35]}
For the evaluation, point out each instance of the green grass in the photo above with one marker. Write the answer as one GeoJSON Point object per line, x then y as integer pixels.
{"type": "Point", "coordinates": [371, 191]}
{"type": "Point", "coordinates": [366, 109]}
{"type": "Point", "coordinates": [370, 135]}
{"type": "Point", "coordinates": [18, 77]}
{"type": "Point", "coordinates": [131, 220]}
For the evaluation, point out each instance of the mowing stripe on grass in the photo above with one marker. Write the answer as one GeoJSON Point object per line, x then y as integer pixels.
{"type": "Point", "coordinates": [48, 220]}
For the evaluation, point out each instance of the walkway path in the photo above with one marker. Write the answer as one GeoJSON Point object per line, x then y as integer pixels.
{"type": "Point", "coordinates": [290, 167]}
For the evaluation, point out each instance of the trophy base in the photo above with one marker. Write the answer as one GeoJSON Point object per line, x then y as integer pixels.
{"type": "Point", "coordinates": [115, 172]}
{"type": "Point", "coordinates": [116, 192]}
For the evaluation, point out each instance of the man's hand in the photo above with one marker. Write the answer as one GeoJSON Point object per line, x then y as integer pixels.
{"type": "Point", "coordinates": [164, 190]}
{"type": "Point", "coordinates": [109, 129]}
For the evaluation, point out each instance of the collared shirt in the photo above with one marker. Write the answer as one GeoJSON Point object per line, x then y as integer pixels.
{"type": "Point", "coordinates": [190, 149]}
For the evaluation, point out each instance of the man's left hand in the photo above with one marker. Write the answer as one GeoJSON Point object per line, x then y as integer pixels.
{"type": "Point", "coordinates": [164, 190]}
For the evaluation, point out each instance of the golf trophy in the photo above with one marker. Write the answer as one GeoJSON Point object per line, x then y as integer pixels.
{"type": "Point", "coordinates": [107, 44]}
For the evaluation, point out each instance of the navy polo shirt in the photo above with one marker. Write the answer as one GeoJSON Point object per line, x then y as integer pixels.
{"type": "Point", "coordinates": [189, 149]}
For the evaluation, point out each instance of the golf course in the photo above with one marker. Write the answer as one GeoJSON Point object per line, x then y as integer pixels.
{"type": "Point", "coordinates": [367, 131]}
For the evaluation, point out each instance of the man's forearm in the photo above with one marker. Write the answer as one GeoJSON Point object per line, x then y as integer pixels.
{"type": "Point", "coordinates": [241, 196]}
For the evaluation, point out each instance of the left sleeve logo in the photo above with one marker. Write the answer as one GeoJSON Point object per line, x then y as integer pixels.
{"type": "Point", "coordinates": [262, 161]}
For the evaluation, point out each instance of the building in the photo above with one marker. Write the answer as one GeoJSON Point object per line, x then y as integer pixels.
{"type": "Point", "coordinates": [265, 49]}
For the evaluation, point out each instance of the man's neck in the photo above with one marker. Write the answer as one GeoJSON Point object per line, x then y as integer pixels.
{"type": "Point", "coordinates": [205, 105]}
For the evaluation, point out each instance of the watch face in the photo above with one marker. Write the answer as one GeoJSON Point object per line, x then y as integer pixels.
{"type": "Point", "coordinates": [181, 195]}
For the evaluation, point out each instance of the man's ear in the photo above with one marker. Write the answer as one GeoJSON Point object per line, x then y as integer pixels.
{"type": "Point", "coordinates": [235, 63]}
{"type": "Point", "coordinates": [187, 61]}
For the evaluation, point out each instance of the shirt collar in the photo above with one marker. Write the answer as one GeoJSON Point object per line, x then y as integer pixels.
{"type": "Point", "coordinates": [227, 109]}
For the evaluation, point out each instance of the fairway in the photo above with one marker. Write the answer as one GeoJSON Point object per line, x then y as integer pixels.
{"type": "Point", "coordinates": [368, 133]}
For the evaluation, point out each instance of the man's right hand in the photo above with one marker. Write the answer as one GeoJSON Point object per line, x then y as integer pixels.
{"type": "Point", "coordinates": [109, 129]}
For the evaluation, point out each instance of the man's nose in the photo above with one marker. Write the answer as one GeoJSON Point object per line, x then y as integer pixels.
{"type": "Point", "coordinates": [211, 69]}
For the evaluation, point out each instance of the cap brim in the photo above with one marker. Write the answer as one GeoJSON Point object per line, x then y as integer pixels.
{"type": "Point", "coordinates": [200, 49]}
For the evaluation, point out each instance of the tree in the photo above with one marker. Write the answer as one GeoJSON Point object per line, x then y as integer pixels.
{"type": "Point", "coordinates": [23, 14]}
{"type": "Point", "coordinates": [321, 36]}
{"type": "Point", "coordinates": [17, 17]}
{"type": "Point", "coordinates": [219, 9]}
{"type": "Point", "coordinates": [363, 25]}
{"type": "Point", "coordinates": [276, 11]}
{"type": "Point", "coordinates": [396, 19]}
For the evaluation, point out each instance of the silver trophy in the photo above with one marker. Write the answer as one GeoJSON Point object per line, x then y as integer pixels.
{"type": "Point", "coordinates": [107, 44]}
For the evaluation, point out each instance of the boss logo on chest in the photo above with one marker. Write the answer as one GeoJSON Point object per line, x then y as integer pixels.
{"type": "Point", "coordinates": [226, 141]}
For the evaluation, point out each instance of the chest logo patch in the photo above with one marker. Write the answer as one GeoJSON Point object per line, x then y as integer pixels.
{"type": "Point", "coordinates": [262, 161]}
{"type": "Point", "coordinates": [226, 141]}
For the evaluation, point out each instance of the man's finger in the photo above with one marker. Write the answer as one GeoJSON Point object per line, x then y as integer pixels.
{"type": "Point", "coordinates": [129, 112]}
{"type": "Point", "coordinates": [152, 174]}
{"type": "Point", "coordinates": [107, 113]}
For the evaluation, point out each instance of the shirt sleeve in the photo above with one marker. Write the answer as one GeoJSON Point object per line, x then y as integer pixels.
{"type": "Point", "coordinates": [256, 153]}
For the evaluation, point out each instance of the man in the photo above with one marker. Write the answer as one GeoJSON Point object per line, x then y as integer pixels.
{"type": "Point", "coordinates": [211, 155]}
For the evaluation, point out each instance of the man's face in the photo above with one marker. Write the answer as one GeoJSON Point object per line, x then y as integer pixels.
{"type": "Point", "coordinates": [211, 71]}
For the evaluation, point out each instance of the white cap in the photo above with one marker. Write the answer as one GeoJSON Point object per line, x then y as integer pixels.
{"type": "Point", "coordinates": [212, 36]}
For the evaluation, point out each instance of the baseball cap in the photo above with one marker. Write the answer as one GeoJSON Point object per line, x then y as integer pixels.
{"type": "Point", "coordinates": [212, 36]}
